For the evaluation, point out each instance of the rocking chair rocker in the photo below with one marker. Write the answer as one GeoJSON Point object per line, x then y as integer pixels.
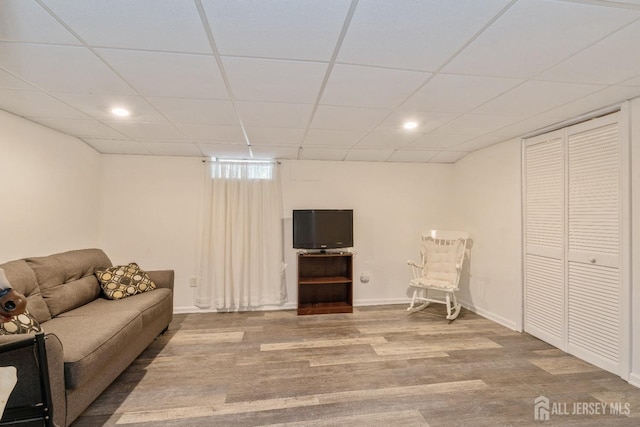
{"type": "Point", "coordinates": [442, 257]}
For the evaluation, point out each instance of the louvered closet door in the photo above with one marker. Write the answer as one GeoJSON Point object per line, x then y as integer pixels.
{"type": "Point", "coordinates": [544, 238]}
{"type": "Point", "coordinates": [594, 236]}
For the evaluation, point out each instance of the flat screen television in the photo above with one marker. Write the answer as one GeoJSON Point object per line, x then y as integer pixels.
{"type": "Point", "coordinates": [322, 228]}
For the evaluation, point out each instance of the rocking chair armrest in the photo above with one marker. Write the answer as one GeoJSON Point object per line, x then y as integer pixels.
{"type": "Point", "coordinates": [413, 264]}
{"type": "Point", "coordinates": [416, 269]}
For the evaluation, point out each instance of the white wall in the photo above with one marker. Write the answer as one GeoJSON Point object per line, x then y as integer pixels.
{"type": "Point", "coordinates": [393, 204]}
{"type": "Point", "coordinates": [488, 205]}
{"type": "Point", "coordinates": [149, 209]}
{"type": "Point", "coordinates": [49, 188]}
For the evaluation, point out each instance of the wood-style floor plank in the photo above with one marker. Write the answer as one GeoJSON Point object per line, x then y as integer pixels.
{"type": "Point", "coordinates": [377, 366]}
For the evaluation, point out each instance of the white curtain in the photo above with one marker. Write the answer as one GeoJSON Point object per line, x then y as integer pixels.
{"type": "Point", "coordinates": [242, 247]}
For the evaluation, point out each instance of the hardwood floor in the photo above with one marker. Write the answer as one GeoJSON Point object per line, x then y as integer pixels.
{"type": "Point", "coordinates": [375, 367]}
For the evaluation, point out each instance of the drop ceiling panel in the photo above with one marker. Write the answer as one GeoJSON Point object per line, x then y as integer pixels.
{"type": "Point", "coordinates": [470, 73]}
{"type": "Point", "coordinates": [329, 137]}
{"type": "Point", "coordinates": [263, 80]}
{"type": "Point", "coordinates": [388, 139]}
{"type": "Point", "coordinates": [458, 94]}
{"type": "Point", "coordinates": [275, 114]}
{"type": "Point", "coordinates": [534, 35]}
{"type": "Point", "coordinates": [347, 118]}
{"type": "Point", "coordinates": [478, 143]}
{"type": "Point", "coordinates": [439, 140]}
{"type": "Point", "coordinates": [173, 149]}
{"type": "Point", "coordinates": [606, 97]}
{"type": "Point", "coordinates": [171, 25]}
{"type": "Point", "coordinates": [8, 81]}
{"type": "Point", "coordinates": [275, 136]}
{"type": "Point", "coordinates": [358, 86]}
{"type": "Point", "coordinates": [82, 128]}
{"type": "Point", "coordinates": [168, 74]}
{"type": "Point", "coordinates": [36, 104]}
{"type": "Point", "coordinates": [99, 106]}
{"type": "Point", "coordinates": [61, 69]}
{"type": "Point", "coordinates": [274, 152]}
{"type": "Point", "coordinates": [427, 121]}
{"type": "Point", "coordinates": [535, 97]}
{"type": "Point", "coordinates": [198, 111]}
{"type": "Point", "coordinates": [632, 82]}
{"type": "Point", "coordinates": [26, 21]}
{"type": "Point", "coordinates": [230, 151]}
{"type": "Point", "coordinates": [321, 153]}
{"type": "Point", "coordinates": [523, 127]}
{"type": "Point", "coordinates": [412, 156]}
{"type": "Point", "coordinates": [417, 35]}
{"type": "Point", "coordinates": [199, 132]}
{"type": "Point", "coordinates": [448, 156]}
{"type": "Point", "coordinates": [613, 64]}
{"type": "Point", "coordinates": [476, 124]}
{"type": "Point", "coordinates": [306, 30]}
{"type": "Point", "coordinates": [369, 155]}
{"type": "Point", "coordinates": [148, 130]}
{"type": "Point", "coordinates": [618, 3]}
{"type": "Point", "coordinates": [117, 146]}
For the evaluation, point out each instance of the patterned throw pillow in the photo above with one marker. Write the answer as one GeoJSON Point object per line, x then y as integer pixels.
{"type": "Point", "coordinates": [124, 280]}
{"type": "Point", "coordinates": [21, 324]}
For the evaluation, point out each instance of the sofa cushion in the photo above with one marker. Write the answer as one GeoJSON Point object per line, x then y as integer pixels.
{"type": "Point", "coordinates": [70, 295]}
{"type": "Point", "coordinates": [23, 279]}
{"type": "Point", "coordinates": [124, 281]}
{"type": "Point", "coordinates": [92, 339]}
{"type": "Point", "coordinates": [150, 304]}
{"type": "Point", "coordinates": [67, 279]}
{"type": "Point", "coordinates": [22, 324]}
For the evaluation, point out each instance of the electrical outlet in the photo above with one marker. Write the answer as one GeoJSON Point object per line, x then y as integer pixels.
{"type": "Point", "coordinates": [193, 282]}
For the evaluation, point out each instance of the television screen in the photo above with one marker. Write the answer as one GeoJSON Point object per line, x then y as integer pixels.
{"type": "Point", "coordinates": [322, 228]}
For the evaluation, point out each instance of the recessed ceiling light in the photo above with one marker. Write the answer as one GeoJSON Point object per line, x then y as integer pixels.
{"type": "Point", "coordinates": [120, 112]}
{"type": "Point", "coordinates": [410, 125]}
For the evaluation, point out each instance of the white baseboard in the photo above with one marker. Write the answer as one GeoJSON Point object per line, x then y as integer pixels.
{"type": "Point", "coordinates": [291, 306]}
{"type": "Point", "coordinates": [369, 302]}
{"type": "Point", "coordinates": [634, 379]}
{"type": "Point", "coordinates": [364, 303]}
{"type": "Point", "coordinates": [190, 309]}
{"type": "Point", "coordinates": [491, 316]}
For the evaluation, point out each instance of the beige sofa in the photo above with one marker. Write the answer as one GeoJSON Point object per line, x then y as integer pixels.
{"type": "Point", "coordinates": [90, 339]}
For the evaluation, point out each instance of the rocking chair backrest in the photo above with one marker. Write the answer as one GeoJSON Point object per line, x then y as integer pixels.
{"type": "Point", "coordinates": [443, 254]}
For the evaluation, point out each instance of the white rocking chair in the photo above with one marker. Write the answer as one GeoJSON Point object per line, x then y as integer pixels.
{"type": "Point", "coordinates": [442, 257]}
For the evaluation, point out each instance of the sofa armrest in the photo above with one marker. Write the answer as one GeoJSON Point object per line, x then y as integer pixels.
{"type": "Point", "coordinates": [162, 278]}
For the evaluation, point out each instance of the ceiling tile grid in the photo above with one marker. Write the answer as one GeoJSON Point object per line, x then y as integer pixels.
{"type": "Point", "coordinates": [308, 79]}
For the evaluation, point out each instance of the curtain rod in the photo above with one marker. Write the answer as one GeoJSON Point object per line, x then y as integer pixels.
{"type": "Point", "coordinates": [240, 161]}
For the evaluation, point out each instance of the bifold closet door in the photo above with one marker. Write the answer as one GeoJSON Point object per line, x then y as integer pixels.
{"type": "Point", "coordinates": [594, 239]}
{"type": "Point", "coordinates": [573, 235]}
{"type": "Point", "coordinates": [545, 302]}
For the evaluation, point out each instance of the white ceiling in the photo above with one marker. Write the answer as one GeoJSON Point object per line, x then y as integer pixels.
{"type": "Point", "coordinates": [314, 79]}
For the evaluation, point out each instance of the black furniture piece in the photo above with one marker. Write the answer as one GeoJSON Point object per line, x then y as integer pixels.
{"type": "Point", "coordinates": [30, 401]}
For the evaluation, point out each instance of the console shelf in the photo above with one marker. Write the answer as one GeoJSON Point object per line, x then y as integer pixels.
{"type": "Point", "coordinates": [325, 283]}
